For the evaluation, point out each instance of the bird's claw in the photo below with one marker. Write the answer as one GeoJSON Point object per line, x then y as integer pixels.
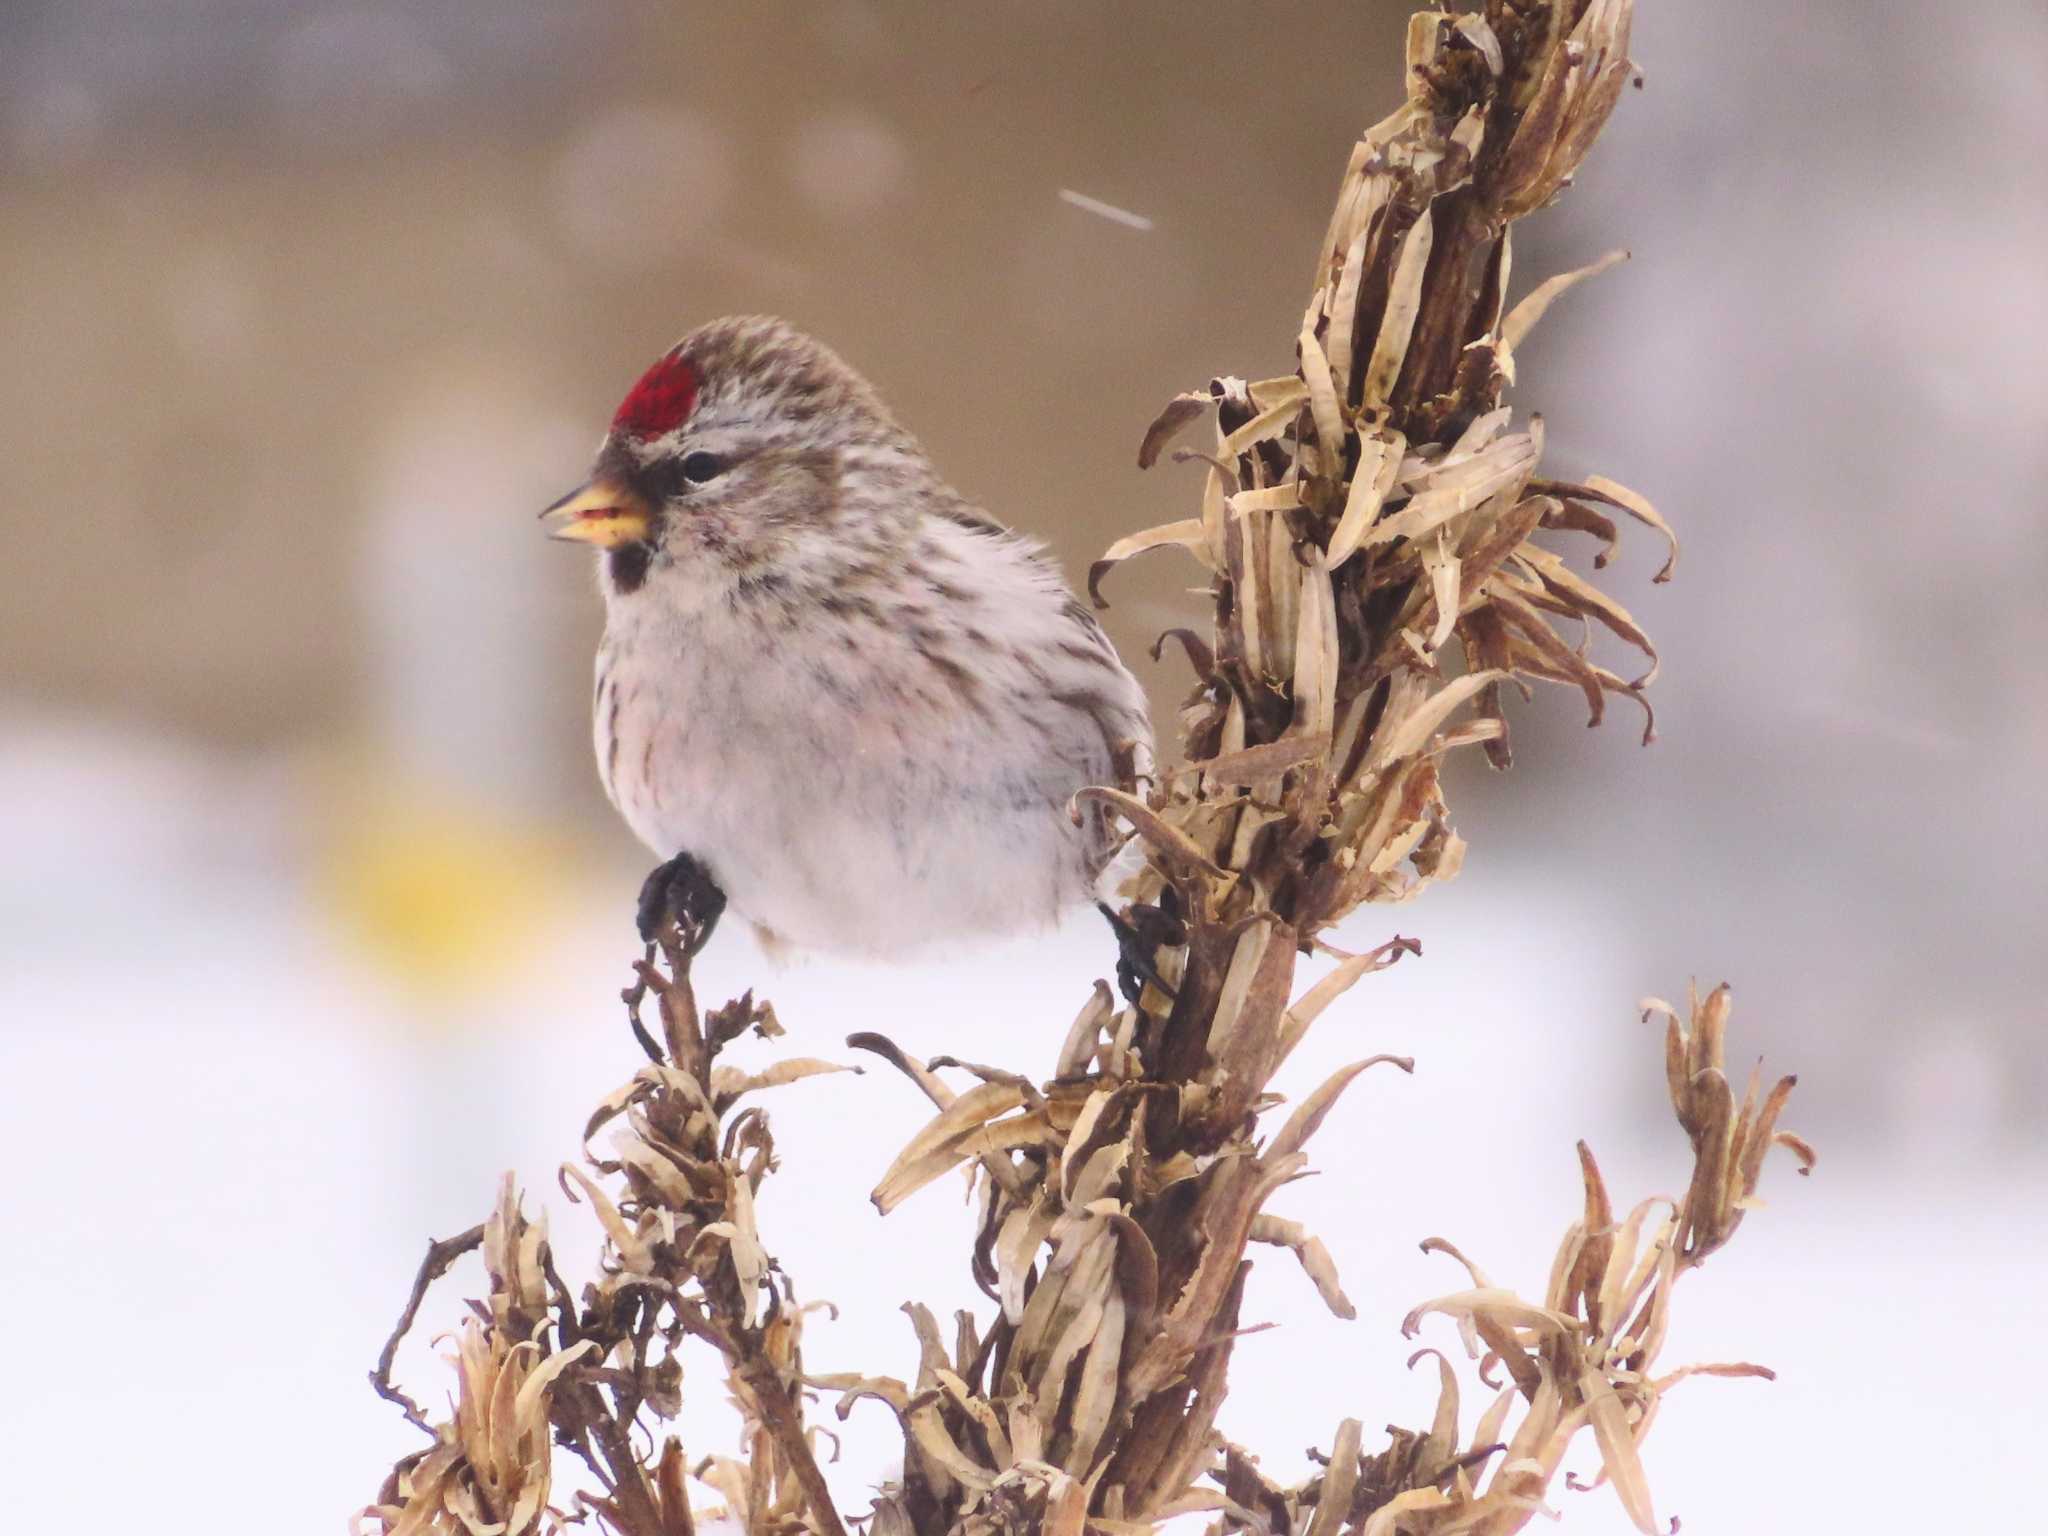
{"type": "Point", "coordinates": [681, 890]}
{"type": "Point", "coordinates": [1137, 939]}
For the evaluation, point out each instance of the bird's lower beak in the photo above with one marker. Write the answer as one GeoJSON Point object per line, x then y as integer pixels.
{"type": "Point", "coordinates": [603, 513]}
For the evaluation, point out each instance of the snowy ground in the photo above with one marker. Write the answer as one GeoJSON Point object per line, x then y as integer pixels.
{"type": "Point", "coordinates": [230, 1137]}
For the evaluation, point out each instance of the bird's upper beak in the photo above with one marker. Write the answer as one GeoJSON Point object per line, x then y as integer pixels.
{"type": "Point", "coordinates": [604, 513]}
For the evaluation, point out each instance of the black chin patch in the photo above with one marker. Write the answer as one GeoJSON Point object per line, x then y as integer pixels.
{"type": "Point", "coordinates": [628, 564]}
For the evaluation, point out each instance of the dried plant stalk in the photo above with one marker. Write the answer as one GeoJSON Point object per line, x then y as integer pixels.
{"type": "Point", "coordinates": [682, 1259]}
{"type": "Point", "coordinates": [1363, 521]}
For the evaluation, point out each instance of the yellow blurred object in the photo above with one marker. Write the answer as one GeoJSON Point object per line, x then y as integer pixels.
{"type": "Point", "coordinates": [437, 893]}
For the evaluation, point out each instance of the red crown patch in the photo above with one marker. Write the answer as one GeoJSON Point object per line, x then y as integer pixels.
{"type": "Point", "coordinates": [660, 402]}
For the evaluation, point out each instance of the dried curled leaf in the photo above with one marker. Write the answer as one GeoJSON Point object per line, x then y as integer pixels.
{"type": "Point", "coordinates": [1315, 1259]}
{"type": "Point", "coordinates": [1523, 317]}
{"type": "Point", "coordinates": [1310, 1114]}
{"type": "Point", "coordinates": [1190, 535]}
{"type": "Point", "coordinates": [959, 1132]}
{"type": "Point", "coordinates": [1177, 414]}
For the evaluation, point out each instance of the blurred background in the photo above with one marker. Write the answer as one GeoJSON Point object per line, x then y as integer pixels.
{"type": "Point", "coordinates": [314, 914]}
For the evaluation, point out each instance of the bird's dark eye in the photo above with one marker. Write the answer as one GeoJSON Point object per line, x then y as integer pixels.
{"type": "Point", "coordinates": [699, 467]}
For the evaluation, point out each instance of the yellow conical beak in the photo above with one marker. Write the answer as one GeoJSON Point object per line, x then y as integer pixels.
{"type": "Point", "coordinates": [603, 513]}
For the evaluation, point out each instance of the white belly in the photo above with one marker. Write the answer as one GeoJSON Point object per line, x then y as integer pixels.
{"type": "Point", "coordinates": [832, 814]}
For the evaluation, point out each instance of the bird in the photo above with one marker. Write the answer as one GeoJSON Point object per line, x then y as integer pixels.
{"type": "Point", "coordinates": [832, 691]}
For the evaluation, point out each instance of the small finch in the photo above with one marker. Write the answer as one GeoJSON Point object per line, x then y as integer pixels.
{"type": "Point", "coordinates": [832, 689]}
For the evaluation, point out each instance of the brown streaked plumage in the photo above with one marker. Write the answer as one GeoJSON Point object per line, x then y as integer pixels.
{"type": "Point", "coordinates": [858, 701]}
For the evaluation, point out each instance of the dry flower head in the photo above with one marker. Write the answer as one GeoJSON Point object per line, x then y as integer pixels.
{"type": "Point", "coordinates": [1373, 528]}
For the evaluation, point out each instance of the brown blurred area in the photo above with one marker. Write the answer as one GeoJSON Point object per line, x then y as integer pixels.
{"type": "Point", "coordinates": [258, 252]}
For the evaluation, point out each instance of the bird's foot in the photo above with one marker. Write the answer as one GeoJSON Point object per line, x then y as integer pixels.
{"type": "Point", "coordinates": [684, 891]}
{"type": "Point", "coordinates": [1138, 938]}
